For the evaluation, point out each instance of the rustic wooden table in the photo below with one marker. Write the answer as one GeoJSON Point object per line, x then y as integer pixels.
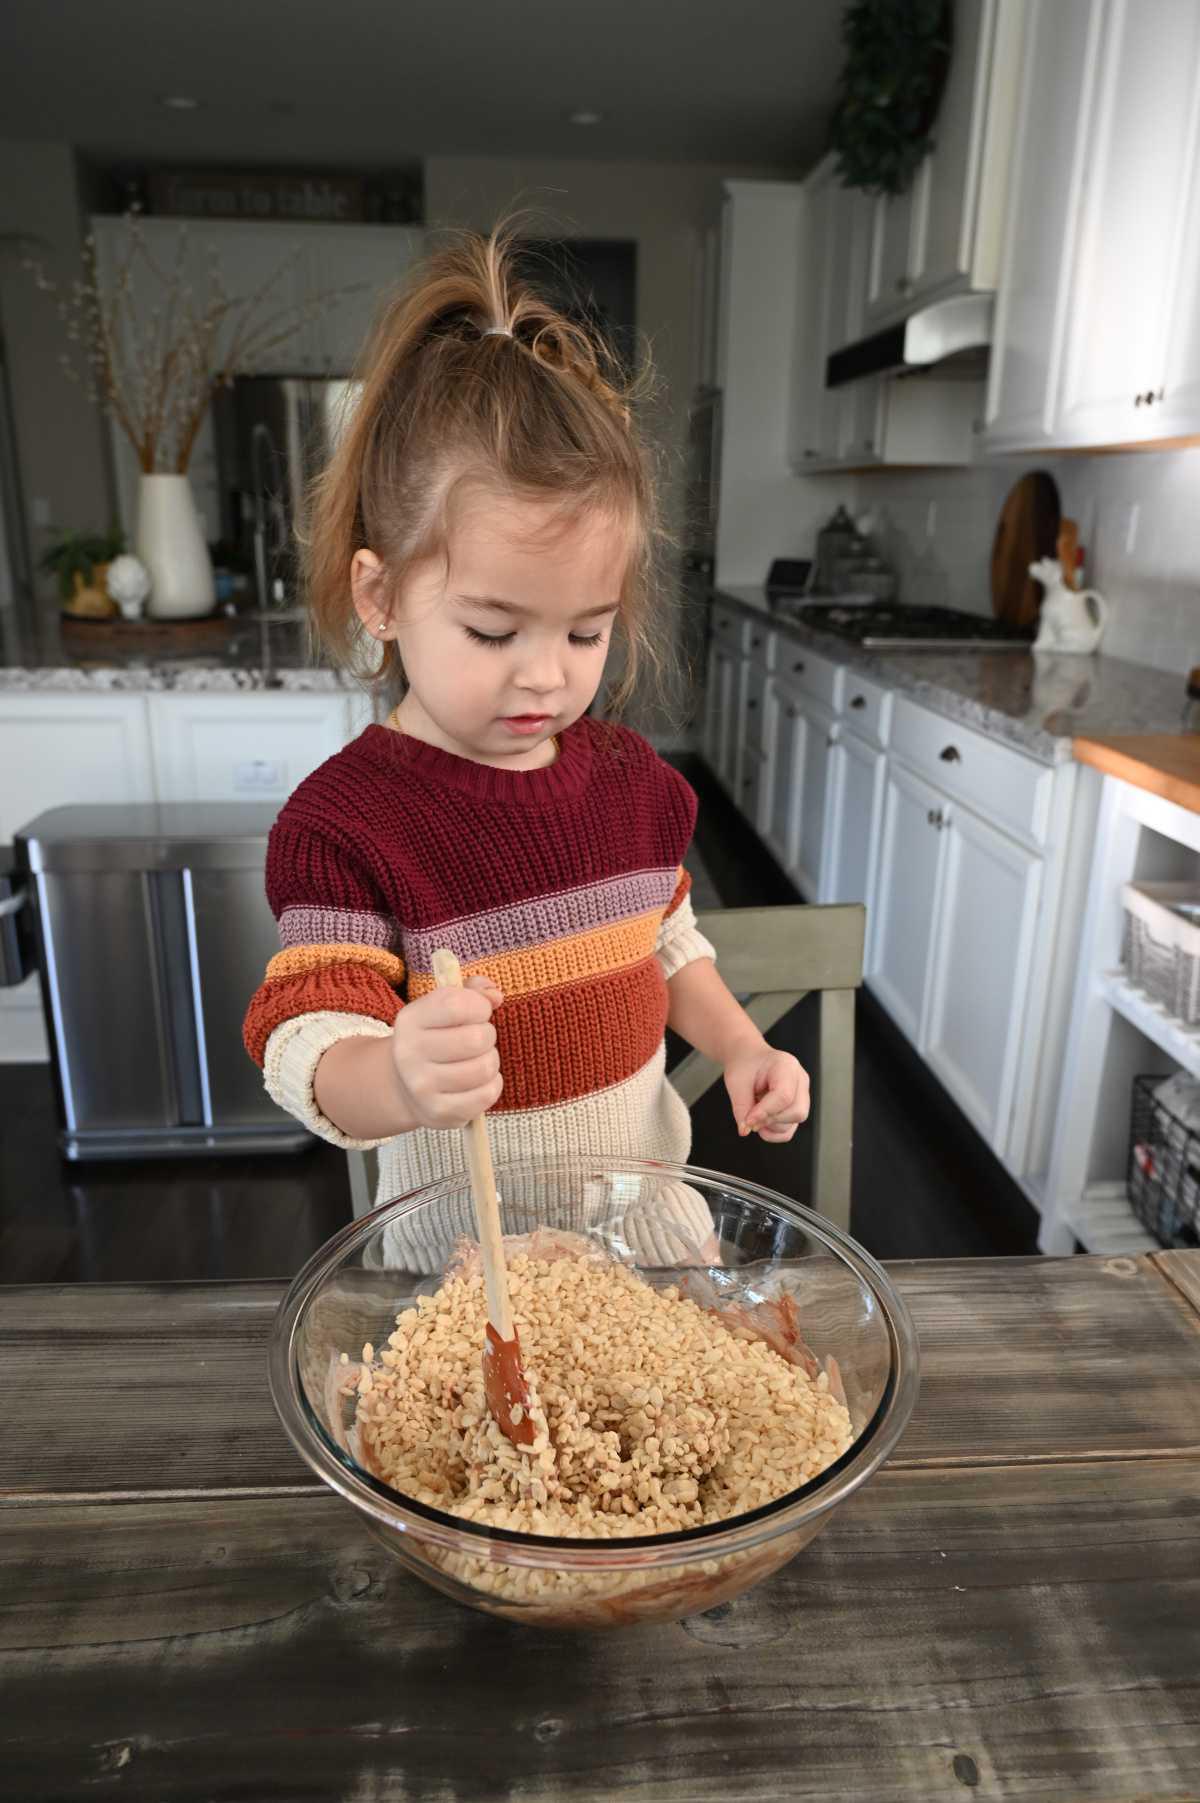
{"type": "Point", "coordinates": [1010, 1609]}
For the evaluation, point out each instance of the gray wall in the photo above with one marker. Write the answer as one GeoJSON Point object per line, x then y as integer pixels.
{"type": "Point", "coordinates": [62, 445]}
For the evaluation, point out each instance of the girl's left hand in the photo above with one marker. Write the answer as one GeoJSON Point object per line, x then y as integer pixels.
{"type": "Point", "coordinates": [769, 1091]}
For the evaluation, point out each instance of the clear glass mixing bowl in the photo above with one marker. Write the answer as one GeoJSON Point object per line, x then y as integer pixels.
{"type": "Point", "coordinates": [765, 1250]}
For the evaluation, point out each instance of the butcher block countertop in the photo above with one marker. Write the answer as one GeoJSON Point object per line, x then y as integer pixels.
{"type": "Point", "coordinates": [1165, 763]}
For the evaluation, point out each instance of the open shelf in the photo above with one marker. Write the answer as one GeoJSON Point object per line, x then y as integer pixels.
{"type": "Point", "coordinates": [1102, 1220]}
{"type": "Point", "coordinates": [1169, 1034]}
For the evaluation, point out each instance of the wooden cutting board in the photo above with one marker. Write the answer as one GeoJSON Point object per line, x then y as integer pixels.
{"type": "Point", "coordinates": [1027, 529]}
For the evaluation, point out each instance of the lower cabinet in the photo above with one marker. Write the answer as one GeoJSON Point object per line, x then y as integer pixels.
{"type": "Point", "coordinates": [911, 855]}
{"type": "Point", "coordinates": [785, 732]}
{"type": "Point", "coordinates": [810, 866]}
{"type": "Point", "coordinates": [858, 772]}
{"type": "Point", "coordinates": [253, 746]}
{"type": "Point", "coordinates": [987, 911]}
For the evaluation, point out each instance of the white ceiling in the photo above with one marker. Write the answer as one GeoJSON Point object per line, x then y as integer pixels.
{"type": "Point", "coordinates": [374, 84]}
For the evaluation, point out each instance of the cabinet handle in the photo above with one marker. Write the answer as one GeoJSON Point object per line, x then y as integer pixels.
{"type": "Point", "coordinates": [746, 781]}
{"type": "Point", "coordinates": [755, 642]}
{"type": "Point", "coordinates": [830, 740]}
{"type": "Point", "coordinates": [951, 755]}
{"type": "Point", "coordinates": [859, 701]}
{"type": "Point", "coordinates": [936, 818]}
{"type": "Point", "coordinates": [798, 669]}
{"type": "Point", "coordinates": [753, 701]}
{"type": "Point", "coordinates": [902, 284]}
{"type": "Point", "coordinates": [793, 713]}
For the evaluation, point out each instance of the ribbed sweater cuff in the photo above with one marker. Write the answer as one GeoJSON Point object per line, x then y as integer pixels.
{"type": "Point", "coordinates": [680, 940]}
{"type": "Point", "coordinates": [290, 1062]}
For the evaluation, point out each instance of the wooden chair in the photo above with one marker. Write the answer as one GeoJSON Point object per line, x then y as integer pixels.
{"type": "Point", "coordinates": [772, 958]}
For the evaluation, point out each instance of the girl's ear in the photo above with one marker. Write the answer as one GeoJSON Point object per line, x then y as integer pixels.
{"type": "Point", "coordinates": [368, 587]}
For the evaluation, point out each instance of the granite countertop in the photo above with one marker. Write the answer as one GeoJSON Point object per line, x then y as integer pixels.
{"type": "Point", "coordinates": [43, 663]}
{"type": "Point", "coordinates": [1039, 703]}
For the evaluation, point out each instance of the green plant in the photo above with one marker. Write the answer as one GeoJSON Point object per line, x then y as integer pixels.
{"type": "Point", "coordinates": [897, 58]}
{"type": "Point", "coordinates": [77, 553]}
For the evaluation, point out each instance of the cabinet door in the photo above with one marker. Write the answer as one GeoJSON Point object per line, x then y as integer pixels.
{"type": "Point", "coordinates": [856, 803]}
{"type": "Point", "coordinates": [57, 751]}
{"type": "Point", "coordinates": [243, 747]}
{"type": "Point", "coordinates": [979, 984]}
{"type": "Point", "coordinates": [786, 730]}
{"type": "Point", "coordinates": [726, 671]}
{"type": "Point", "coordinates": [812, 862]}
{"type": "Point", "coordinates": [906, 895]}
{"type": "Point", "coordinates": [946, 191]}
{"type": "Point", "coordinates": [827, 263]}
{"type": "Point", "coordinates": [1128, 256]}
{"type": "Point", "coordinates": [888, 278]}
{"type": "Point", "coordinates": [1058, 73]}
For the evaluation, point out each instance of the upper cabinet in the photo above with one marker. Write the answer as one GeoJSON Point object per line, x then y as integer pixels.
{"type": "Point", "coordinates": [944, 235]}
{"type": "Point", "coordinates": [1097, 334]}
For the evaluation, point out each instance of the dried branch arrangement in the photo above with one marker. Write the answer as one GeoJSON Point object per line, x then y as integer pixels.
{"type": "Point", "coordinates": [154, 367]}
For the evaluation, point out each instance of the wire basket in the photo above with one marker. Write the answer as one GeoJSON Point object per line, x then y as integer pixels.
{"type": "Point", "coordinates": [1163, 1178]}
{"type": "Point", "coordinates": [1161, 946]}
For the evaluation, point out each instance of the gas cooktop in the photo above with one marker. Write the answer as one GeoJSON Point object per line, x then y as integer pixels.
{"type": "Point", "coordinates": [888, 625]}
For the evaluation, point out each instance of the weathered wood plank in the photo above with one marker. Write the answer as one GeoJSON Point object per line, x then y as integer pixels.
{"type": "Point", "coordinates": [1026, 1633]}
{"type": "Point", "coordinates": [1182, 1269]}
{"type": "Point", "coordinates": [1021, 1359]}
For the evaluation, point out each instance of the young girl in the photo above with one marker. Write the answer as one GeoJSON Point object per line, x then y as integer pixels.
{"type": "Point", "coordinates": [489, 521]}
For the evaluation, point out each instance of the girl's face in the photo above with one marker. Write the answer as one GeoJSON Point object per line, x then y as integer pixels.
{"type": "Point", "coordinates": [506, 646]}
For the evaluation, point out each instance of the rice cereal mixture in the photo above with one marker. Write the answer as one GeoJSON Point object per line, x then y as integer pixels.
{"type": "Point", "coordinates": [650, 1415]}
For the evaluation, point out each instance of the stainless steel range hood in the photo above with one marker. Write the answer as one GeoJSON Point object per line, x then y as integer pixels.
{"type": "Point", "coordinates": [950, 337]}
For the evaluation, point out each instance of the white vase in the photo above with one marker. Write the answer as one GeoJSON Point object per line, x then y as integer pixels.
{"type": "Point", "coordinates": [170, 542]}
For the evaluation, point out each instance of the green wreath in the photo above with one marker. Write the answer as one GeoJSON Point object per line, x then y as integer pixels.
{"type": "Point", "coordinates": [897, 59]}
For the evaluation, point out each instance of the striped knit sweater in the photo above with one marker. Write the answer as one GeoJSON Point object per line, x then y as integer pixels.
{"type": "Point", "coordinates": [565, 885]}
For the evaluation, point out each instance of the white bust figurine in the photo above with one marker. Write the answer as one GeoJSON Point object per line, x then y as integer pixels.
{"type": "Point", "coordinates": [129, 583]}
{"type": "Point", "coordinates": [1071, 619]}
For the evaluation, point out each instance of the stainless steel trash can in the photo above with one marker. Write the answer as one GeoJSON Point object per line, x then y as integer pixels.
{"type": "Point", "coordinates": [153, 932]}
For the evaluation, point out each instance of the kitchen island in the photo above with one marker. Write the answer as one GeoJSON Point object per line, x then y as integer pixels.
{"type": "Point", "coordinates": [1008, 1610]}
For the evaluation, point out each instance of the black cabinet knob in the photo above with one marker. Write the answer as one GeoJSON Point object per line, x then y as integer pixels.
{"type": "Point", "coordinates": [951, 755]}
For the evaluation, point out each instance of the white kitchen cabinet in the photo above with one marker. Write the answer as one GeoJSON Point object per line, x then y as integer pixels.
{"type": "Point", "coordinates": [858, 773]}
{"type": "Point", "coordinates": [1096, 338]}
{"type": "Point", "coordinates": [1137, 195]}
{"type": "Point", "coordinates": [811, 866]}
{"type": "Point", "coordinates": [1032, 309]}
{"type": "Point", "coordinates": [944, 234]}
{"type": "Point", "coordinates": [911, 856]}
{"type": "Point", "coordinates": [986, 916]}
{"type": "Point", "coordinates": [823, 292]}
{"type": "Point", "coordinates": [785, 734]}
{"type": "Point", "coordinates": [57, 751]}
{"type": "Point", "coordinates": [248, 746]}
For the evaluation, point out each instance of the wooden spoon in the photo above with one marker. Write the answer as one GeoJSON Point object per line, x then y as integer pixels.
{"type": "Point", "coordinates": [503, 1378]}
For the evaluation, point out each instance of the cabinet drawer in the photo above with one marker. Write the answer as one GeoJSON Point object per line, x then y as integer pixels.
{"type": "Point", "coordinates": [867, 708]}
{"type": "Point", "coordinates": [1001, 784]}
{"type": "Point", "coordinates": [814, 674]}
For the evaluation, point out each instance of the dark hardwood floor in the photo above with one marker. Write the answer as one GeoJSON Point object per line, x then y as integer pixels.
{"type": "Point", "coordinates": [925, 1185]}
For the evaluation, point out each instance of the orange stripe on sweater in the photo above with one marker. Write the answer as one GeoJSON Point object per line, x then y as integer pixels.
{"type": "Point", "coordinates": [601, 951]}
{"type": "Point", "coordinates": [296, 959]}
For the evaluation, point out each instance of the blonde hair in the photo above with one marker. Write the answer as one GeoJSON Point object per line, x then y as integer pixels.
{"type": "Point", "coordinates": [472, 379]}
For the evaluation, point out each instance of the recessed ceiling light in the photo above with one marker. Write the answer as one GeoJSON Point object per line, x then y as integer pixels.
{"type": "Point", "coordinates": [182, 103]}
{"type": "Point", "coordinates": [584, 116]}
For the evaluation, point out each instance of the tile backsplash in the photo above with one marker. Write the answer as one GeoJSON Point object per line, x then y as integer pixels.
{"type": "Point", "coordinates": [1139, 520]}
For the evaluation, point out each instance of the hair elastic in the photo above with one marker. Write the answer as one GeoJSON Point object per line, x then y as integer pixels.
{"type": "Point", "coordinates": [496, 332]}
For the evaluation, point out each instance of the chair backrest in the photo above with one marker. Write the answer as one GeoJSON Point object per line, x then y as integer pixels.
{"type": "Point", "coordinates": [772, 958]}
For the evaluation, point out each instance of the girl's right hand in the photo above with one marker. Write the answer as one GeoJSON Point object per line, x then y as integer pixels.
{"type": "Point", "coordinates": [444, 1050]}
